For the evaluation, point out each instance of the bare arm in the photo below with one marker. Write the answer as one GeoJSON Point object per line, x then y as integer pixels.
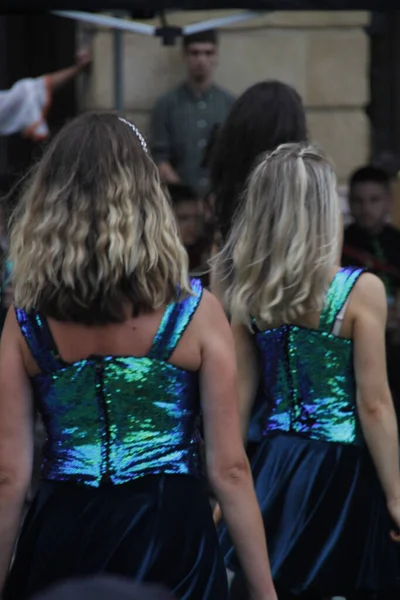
{"type": "Point", "coordinates": [374, 401]}
{"type": "Point", "coordinates": [60, 78]}
{"type": "Point", "coordinates": [248, 374]}
{"type": "Point", "coordinates": [16, 439]}
{"type": "Point", "coordinates": [246, 359]}
{"type": "Point", "coordinates": [227, 465]}
{"type": "Point", "coordinates": [248, 378]}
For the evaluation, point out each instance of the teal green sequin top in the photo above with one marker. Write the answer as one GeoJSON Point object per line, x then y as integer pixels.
{"type": "Point", "coordinates": [115, 418]}
{"type": "Point", "coordinates": [308, 375]}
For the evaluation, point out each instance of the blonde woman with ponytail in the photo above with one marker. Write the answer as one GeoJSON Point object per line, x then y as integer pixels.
{"type": "Point", "coordinates": [326, 471]}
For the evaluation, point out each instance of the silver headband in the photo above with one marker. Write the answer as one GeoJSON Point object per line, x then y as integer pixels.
{"type": "Point", "coordinates": [137, 133]}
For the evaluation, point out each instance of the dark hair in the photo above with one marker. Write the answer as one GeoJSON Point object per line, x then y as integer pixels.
{"type": "Point", "coordinates": [369, 173]}
{"type": "Point", "coordinates": [209, 149]}
{"type": "Point", "coordinates": [209, 36]}
{"type": "Point", "coordinates": [266, 115]}
{"type": "Point", "coordinates": [179, 192]}
{"type": "Point", "coordinates": [96, 195]}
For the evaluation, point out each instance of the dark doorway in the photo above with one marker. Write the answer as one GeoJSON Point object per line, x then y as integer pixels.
{"type": "Point", "coordinates": [384, 107]}
{"type": "Point", "coordinates": [32, 45]}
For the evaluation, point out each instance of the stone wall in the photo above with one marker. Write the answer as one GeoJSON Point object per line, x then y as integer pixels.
{"type": "Point", "coordinates": [323, 54]}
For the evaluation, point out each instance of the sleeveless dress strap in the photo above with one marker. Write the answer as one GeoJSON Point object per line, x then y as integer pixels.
{"type": "Point", "coordinates": [337, 296]}
{"type": "Point", "coordinates": [39, 340]}
{"type": "Point", "coordinates": [176, 318]}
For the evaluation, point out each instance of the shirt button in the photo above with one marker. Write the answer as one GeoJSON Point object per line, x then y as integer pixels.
{"type": "Point", "coordinates": [202, 123]}
{"type": "Point", "coordinates": [201, 104]}
{"type": "Point", "coordinates": [202, 143]}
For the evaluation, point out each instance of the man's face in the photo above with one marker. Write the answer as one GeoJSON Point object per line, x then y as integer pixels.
{"type": "Point", "coordinates": [201, 59]}
{"type": "Point", "coordinates": [369, 205]}
{"type": "Point", "coordinates": [189, 215]}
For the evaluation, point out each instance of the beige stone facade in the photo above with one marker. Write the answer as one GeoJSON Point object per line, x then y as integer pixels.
{"type": "Point", "coordinates": [323, 54]}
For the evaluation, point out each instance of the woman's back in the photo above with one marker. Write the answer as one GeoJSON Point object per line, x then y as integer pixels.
{"type": "Point", "coordinates": [119, 351]}
{"type": "Point", "coordinates": [325, 399]}
{"type": "Point", "coordinates": [115, 417]}
{"type": "Point", "coordinates": [308, 374]}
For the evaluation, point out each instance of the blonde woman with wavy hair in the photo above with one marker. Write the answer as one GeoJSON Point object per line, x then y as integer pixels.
{"type": "Point", "coordinates": [312, 334]}
{"type": "Point", "coordinates": [120, 353]}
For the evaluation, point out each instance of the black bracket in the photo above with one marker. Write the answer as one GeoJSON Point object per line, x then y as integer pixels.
{"type": "Point", "coordinates": [168, 33]}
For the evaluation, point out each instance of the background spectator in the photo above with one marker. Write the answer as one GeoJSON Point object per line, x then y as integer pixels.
{"type": "Point", "coordinates": [184, 119]}
{"type": "Point", "coordinates": [374, 243]}
{"type": "Point", "coordinates": [266, 115]}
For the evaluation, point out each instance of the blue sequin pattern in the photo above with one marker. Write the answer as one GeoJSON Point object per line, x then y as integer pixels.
{"type": "Point", "coordinates": [305, 394]}
{"type": "Point", "coordinates": [113, 419]}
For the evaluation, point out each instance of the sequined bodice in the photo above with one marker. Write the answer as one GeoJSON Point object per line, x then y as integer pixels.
{"type": "Point", "coordinates": [308, 375]}
{"type": "Point", "coordinates": [112, 419]}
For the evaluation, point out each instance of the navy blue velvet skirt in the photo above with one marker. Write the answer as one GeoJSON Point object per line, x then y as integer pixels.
{"type": "Point", "coordinates": [325, 516]}
{"type": "Point", "coordinates": [155, 529]}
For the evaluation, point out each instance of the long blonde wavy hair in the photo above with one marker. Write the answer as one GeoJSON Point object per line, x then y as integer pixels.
{"type": "Point", "coordinates": [278, 259]}
{"type": "Point", "coordinates": [93, 232]}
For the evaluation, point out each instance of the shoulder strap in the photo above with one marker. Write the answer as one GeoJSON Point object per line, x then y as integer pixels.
{"type": "Point", "coordinates": [38, 339]}
{"type": "Point", "coordinates": [163, 331]}
{"type": "Point", "coordinates": [337, 296]}
{"type": "Point", "coordinates": [174, 322]}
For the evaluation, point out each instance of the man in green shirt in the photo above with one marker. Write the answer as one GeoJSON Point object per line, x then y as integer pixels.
{"type": "Point", "coordinates": [185, 117]}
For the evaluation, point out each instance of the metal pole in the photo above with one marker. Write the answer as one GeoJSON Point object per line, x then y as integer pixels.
{"type": "Point", "coordinates": [221, 22]}
{"type": "Point", "coordinates": [104, 21]}
{"type": "Point", "coordinates": [118, 70]}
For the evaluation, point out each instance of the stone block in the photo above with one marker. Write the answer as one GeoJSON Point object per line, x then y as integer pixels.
{"type": "Point", "coordinates": [250, 56]}
{"type": "Point", "coordinates": [337, 68]}
{"type": "Point", "coordinates": [141, 119]}
{"type": "Point", "coordinates": [149, 70]}
{"type": "Point", "coordinates": [344, 134]}
{"type": "Point", "coordinates": [102, 73]}
{"type": "Point", "coordinates": [315, 18]}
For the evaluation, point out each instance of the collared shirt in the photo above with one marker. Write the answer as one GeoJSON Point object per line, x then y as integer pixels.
{"type": "Point", "coordinates": [182, 123]}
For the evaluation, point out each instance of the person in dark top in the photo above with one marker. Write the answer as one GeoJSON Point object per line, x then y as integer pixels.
{"type": "Point", "coordinates": [188, 209]}
{"type": "Point", "coordinates": [267, 114]}
{"type": "Point", "coordinates": [196, 234]}
{"type": "Point", "coordinates": [184, 119]}
{"type": "Point", "coordinates": [372, 242]}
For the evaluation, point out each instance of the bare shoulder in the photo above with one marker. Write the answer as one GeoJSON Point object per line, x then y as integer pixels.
{"type": "Point", "coordinates": [12, 344]}
{"type": "Point", "coordinates": [11, 326]}
{"type": "Point", "coordinates": [369, 292]}
{"type": "Point", "coordinates": [12, 340]}
{"type": "Point", "coordinates": [210, 308]}
{"type": "Point", "coordinates": [368, 303]}
{"type": "Point", "coordinates": [210, 321]}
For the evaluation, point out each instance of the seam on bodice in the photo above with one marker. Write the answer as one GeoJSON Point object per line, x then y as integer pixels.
{"type": "Point", "coordinates": [105, 423]}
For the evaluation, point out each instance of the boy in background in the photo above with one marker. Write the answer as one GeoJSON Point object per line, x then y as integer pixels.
{"type": "Point", "coordinates": [372, 242]}
{"type": "Point", "coordinates": [189, 213]}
